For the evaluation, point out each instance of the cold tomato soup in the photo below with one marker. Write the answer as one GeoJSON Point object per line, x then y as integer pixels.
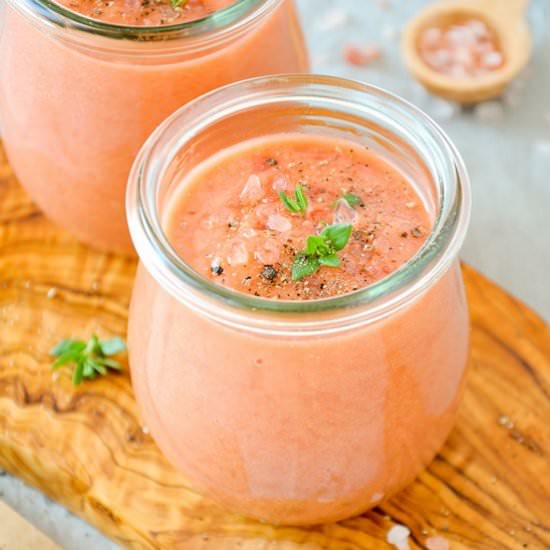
{"type": "Point", "coordinates": [146, 13]}
{"type": "Point", "coordinates": [232, 225]}
{"type": "Point", "coordinates": [298, 425]}
{"type": "Point", "coordinates": [81, 90]}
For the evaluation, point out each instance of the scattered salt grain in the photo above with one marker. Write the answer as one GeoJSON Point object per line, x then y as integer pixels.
{"type": "Point", "coordinates": [398, 535]}
{"type": "Point", "coordinates": [52, 292]}
{"type": "Point", "coordinates": [377, 497]}
{"type": "Point", "coordinates": [279, 223]}
{"type": "Point", "coordinates": [389, 32]}
{"type": "Point", "coordinates": [252, 191]}
{"type": "Point", "coordinates": [442, 109]}
{"type": "Point", "coordinates": [145, 430]}
{"type": "Point", "coordinates": [489, 111]}
{"type": "Point", "coordinates": [344, 213]}
{"type": "Point", "coordinates": [361, 56]}
{"type": "Point", "coordinates": [542, 148]}
{"type": "Point", "coordinates": [437, 543]}
{"type": "Point", "coordinates": [384, 4]}
{"type": "Point", "coordinates": [332, 19]}
{"type": "Point", "coordinates": [505, 421]}
{"type": "Point", "coordinates": [410, 204]}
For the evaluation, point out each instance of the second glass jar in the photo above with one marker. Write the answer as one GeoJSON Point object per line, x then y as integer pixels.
{"type": "Point", "coordinates": [79, 97]}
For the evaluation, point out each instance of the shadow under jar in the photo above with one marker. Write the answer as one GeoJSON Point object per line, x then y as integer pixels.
{"type": "Point", "coordinates": [299, 412]}
{"type": "Point", "coordinates": [78, 97]}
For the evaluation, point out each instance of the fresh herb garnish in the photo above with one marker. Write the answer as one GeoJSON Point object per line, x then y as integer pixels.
{"type": "Point", "coordinates": [298, 204]}
{"type": "Point", "coordinates": [178, 3]}
{"type": "Point", "coordinates": [89, 358]}
{"type": "Point", "coordinates": [353, 200]}
{"type": "Point", "coordinates": [321, 250]}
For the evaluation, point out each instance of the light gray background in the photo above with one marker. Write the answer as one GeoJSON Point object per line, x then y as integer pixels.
{"type": "Point", "coordinates": [506, 146]}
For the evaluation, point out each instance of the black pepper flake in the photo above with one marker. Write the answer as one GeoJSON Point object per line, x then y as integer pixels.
{"type": "Point", "coordinates": [216, 269]}
{"type": "Point", "coordinates": [272, 162]}
{"type": "Point", "coordinates": [417, 232]}
{"type": "Point", "coordinates": [404, 234]}
{"type": "Point", "coordinates": [269, 273]}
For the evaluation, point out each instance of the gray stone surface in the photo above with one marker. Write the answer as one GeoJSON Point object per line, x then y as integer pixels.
{"type": "Point", "coordinates": [506, 146]}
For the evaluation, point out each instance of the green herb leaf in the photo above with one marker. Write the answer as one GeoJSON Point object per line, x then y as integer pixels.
{"type": "Point", "coordinates": [337, 235]}
{"type": "Point", "coordinates": [330, 261]}
{"type": "Point", "coordinates": [112, 346]}
{"type": "Point", "coordinates": [304, 266]}
{"type": "Point", "coordinates": [89, 357]}
{"type": "Point", "coordinates": [353, 200]}
{"type": "Point", "coordinates": [65, 346]}
{"type": "Point", "coordinates": [321, 250]}
{"type": "Point", "coordinates": [112, 364]}
{"type": "Point", "coordinates": [78, 373]}
{"type": "Point", "coordinates": [298, 204]}
{"type": "Point", "coordinates": [178, 3]}
{"type": "Point", "coordinates": [301, 198]}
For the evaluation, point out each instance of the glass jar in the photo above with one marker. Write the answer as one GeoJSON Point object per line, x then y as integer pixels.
{"type": "Point", "coordinates": [299, 412]}
{"type": "Point", "coordinates": [79, 97]}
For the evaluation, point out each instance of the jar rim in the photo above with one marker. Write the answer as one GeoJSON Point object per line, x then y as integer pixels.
{"type": "Point", "coordinates": [384, 296]}
{"type": "Point", "coordinates": [60, 16]}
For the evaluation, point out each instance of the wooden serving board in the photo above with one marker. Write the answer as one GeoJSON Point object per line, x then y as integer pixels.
{"type": "Point", "coordinates": [489, 487]}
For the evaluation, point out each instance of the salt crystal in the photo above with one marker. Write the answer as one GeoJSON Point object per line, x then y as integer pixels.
{"type": "Point", "coordinates": [276, 222]}
{"type": "Point", "coordinates": [145, 430]}
{"type": "Point", "coordinates": [398, 535]}
{"type": "Point", "coordinates": [377, 497]}
{"type": "Point", "coordinates": [384, 4]}
{"type": "Point", "coordinates": [280, 183]}
{"type": "Point", "coordinates": [478, 28]}
{"type": "Point", "coordinates": [389, 32]}
{"type": "Point", "coordinates": [431, 37]}
{"type": "Point", "coordinates": [332, 19]}
{"type": "Point", "coordinates": [439, 58]}
{"type": "Point", "coordinates": [457, 36]}
{"type": "Point", "coordinates": [247, 232]}
{"type": "Point", "coordinates": [491, 60]}
{"type": "Point", "coordinates": [464, 56]}
{"type": "Point", "coordinates": [344, 213]}
{"type": "Point", "coordinates": [269, 253]}
{"type": "Point", "coordinates": [252, 191]}
{"type": "Point", "coordinates": [442, 109]}
{"type": "Point", "coordinates": [489, 111]}
{"type": "Point", "coordinates": [542, 148]}
{"type": "Point", "coordinates": [237, 253]}
{"type": "Point", "coordinates": [410, 204]}
{"type": "Point", "coordinates": [320, 59]}
{"type": "Point", "coordinates": [361, 56]}
{"type": "Point", "coordinates": [216, 264]}
{"type": "Point", "coordinates": [52, 292]}
{"type": "Point", "coordinates": [263, 212]}
{"type": "Point", "coordinates": [437, 543]}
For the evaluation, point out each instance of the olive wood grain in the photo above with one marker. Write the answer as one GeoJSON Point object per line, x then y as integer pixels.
{"type": "Point", "coordinates": [489, 487]}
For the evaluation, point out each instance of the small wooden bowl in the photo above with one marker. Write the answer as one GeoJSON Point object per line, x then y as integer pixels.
{"type": "Point", "coordinates": [506, 18]}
